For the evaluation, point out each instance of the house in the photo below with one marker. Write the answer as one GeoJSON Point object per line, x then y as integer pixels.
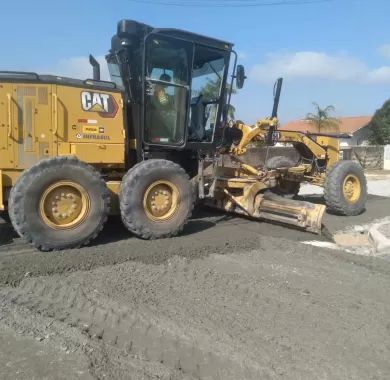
{"type": "Point", "coordinates": [357, 127]}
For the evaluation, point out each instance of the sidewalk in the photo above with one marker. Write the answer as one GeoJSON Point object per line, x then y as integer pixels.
{"type": "Point", "coordinates": [385, 230]}
{"type": "Point", "coordinates": [377, 174]}
{"type": "Point", "coordinates": [379, 234]}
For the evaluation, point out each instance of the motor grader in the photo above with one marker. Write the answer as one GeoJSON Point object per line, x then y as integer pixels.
{"type": "Point", "coordinates": [150, 142]}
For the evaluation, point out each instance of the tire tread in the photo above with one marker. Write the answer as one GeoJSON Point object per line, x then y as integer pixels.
{"type": "Point", "coordinates": [335, 175]}
{"type": "Point", "coordinates": [131, 177]}
{"type": "Point", "coordinates": [15, 206]}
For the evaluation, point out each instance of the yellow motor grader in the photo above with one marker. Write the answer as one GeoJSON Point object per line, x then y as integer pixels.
{"type": "Point", "coordinates": [148, 143]}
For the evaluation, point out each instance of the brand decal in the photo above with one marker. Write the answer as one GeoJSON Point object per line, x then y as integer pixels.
{"type": "Point", "coordinates": [104, 104]}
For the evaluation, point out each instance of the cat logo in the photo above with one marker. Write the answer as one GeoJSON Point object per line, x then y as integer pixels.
{"type": "Point", "coordinates": [104, 104]}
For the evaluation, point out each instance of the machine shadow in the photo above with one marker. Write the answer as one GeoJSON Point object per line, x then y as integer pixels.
{"type": "Point", "coordinates": [114, 230]}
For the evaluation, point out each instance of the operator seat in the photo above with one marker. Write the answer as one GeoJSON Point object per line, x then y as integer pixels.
{"type": "Point", "coordinates": [198, 119]}
{"type": "Point", "coordinates": [161, 117]}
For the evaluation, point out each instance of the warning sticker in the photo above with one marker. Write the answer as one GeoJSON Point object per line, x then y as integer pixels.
{"type": "Point", "coordinates": [90, 129]}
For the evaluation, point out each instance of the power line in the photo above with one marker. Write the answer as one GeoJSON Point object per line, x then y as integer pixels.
{"type": "Point", "coordinates": [231, 3]}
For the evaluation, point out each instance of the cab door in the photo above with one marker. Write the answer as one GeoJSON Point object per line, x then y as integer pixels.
{"type": "Point", "coordinates": [167, 78]}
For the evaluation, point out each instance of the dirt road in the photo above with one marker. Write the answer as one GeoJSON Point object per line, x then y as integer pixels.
{"type": "Point", "coordinates": [229, 299]}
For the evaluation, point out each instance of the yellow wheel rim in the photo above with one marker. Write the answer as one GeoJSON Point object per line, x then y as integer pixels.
{"type": "Point", "coordinates": [161, 201]}
{"type": "Point", "coordinates": [351, 188]}
{"type": "Point", "coordinates": [64, 205]}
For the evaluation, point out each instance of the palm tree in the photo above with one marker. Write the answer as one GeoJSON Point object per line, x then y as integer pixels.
{"type": "Point", "coordinates": [211, 92]}
{"type": "Point", "coordinates": [322, 120]}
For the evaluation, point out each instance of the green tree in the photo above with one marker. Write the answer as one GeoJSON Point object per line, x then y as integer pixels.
{"type": "Point", "coordinates": [211, 92]}
{"type": "Point", "coordinates": [323, 120]}
{"type": "Point", "coordinates": [380, 125]}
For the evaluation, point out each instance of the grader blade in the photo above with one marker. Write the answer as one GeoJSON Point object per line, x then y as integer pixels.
{"type": "Point", "coordinates": [305, 215]}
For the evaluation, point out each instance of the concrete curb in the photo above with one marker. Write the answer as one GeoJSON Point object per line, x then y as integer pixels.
{"type": "Point", "coordinates": [379, 240]}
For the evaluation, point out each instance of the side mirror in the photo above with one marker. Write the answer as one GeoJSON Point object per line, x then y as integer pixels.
{"type": "Point", "coordinates": [240, 76]}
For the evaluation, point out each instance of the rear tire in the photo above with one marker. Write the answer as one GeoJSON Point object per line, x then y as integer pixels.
{"type": "Point", "coordinates": [279, 162]}
{"type": "Point", "coordinates": [156, 199]}
{"type": "Point", "coordinates": [345, 189]}
{"type": "Point", "coordinates": [286, 189]}
{"type": "Point", "coordinates": [59, 203]}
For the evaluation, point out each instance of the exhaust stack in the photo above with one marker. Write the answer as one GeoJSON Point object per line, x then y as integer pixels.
{"type": "Point", "coordinates": [96, 67]}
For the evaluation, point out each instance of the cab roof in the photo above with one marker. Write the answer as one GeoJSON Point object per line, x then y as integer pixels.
{"type": "Point", "coordinates": [131, 28]}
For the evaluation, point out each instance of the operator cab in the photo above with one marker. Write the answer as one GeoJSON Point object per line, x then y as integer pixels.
{"type": "Point", "coordinates": [175, 85]}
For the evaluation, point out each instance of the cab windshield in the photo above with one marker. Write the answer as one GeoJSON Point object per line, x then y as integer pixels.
{"type": "Point", "coordinates": [206, 88]}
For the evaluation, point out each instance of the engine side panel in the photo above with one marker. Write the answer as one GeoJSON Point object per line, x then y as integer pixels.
{"type": "Point", "coordinates": [90, 125]}
{"type": "Point", "coordinates": [41, 120]}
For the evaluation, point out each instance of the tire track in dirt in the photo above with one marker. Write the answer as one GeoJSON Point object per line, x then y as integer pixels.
{"type": "Point", "coordinates": [136, 333]}
{"type": "Point", "coordinates": [270, 313]}
{"type": "Point", "coordinates": [103, 361]}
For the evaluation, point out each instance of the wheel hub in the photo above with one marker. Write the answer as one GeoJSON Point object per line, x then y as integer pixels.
{"type": "Point", "coordinates": [351, 188]}
{"type": "Point", "coordinates": [161, 200]}
{"type": "Point", "coordinates": [64, 205]}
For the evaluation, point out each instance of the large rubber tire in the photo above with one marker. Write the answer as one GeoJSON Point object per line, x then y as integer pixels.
{"type": "Point", "coordinates": [135, 185]}
{"type": "Point", "coordinates": [278, 162]}
{"type": "Point", "coordinates": [287, 189]}
{"type": "Point", "coordinates": [6, 231]}
{"type": "Point", "coordinates": [335, 198]}
{"type": "Point", "coordinates": [25, 201]}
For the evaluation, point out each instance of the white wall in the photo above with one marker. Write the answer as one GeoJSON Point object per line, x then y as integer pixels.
{"type": "Point", "coordinates": [386, 164]}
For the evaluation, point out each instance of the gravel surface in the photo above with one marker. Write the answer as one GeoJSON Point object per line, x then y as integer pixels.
{"type": "Point", "coordinates": [281, 311]}
{"type": "Point", "coordinates": [29, 357]}
{"type": "Point", "coordinates": [228, 299]}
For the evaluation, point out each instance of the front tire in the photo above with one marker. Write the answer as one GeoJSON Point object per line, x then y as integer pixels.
{"type": "Point", "coordinates": [345, 189]}
{"type": "Point", "coordinates": [156, 199]}
{"type": "Point", "coordinates": [285, 188]}
{"type": "Point", "coordinates": [280, 162]}
{"type": "Point", "coordinates": [59, 203]}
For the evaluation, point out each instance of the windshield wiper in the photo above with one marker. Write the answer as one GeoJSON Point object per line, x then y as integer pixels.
{"type": "Point", "coordinates": [215, 71]}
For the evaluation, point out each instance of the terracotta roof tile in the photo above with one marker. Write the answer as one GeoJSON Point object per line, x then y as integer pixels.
{"type": "Point", "coordinates": [347, 125]}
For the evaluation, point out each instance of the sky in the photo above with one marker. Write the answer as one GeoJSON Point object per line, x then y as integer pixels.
{"type": "Point", "coordinates": [333, 53]}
